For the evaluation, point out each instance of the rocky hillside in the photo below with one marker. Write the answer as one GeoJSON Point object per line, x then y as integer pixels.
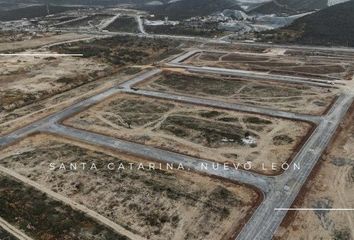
{"type": "Point", "coordinates": [330, 26]}
{"type": "Point", "coordinates": [190, 8]}
{"type": "Point", "coordinates": [289, 7]}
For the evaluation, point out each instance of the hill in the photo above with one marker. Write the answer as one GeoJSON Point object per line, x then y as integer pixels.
{"type": "Point", "coordinates": [190, 8]}
{"type": "Point", "coordinates": [331, 26]}
{"type": "Point", "coordinates": [289, 7]}
{"type": "Point", "coordinates": [31, 12]}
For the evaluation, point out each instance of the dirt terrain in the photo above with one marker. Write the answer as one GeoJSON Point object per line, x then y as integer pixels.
{"type": "Point", "coordinates": [277, 61]}
{"type": "Point", "coordinates": [90, 22]}
{"type": "Point", "coordinates": [287, 97]}
{"type": "Point", "coordinates": [223, 136]}
{"type": "Point", "coordinates": [123, 50]}
{"type": "Point", "coordinates": [36, 109]}
{"type": "Point", "coordinates": [153, 203]}
{"type": "Point", "coordinates": [234, 48]}
{"type": "Point", "coordinates": [331, 186]}
{"type": "Point", "coordinates": [26, 207]}
{"type": "Point", "coordinates": [11, 36]}
{"type": "Point", "coordinates": [37, 42]}
{"type": "Point", "coordinates": [28, 80]}
{"type": "Point", "coordinates": [25, 79]}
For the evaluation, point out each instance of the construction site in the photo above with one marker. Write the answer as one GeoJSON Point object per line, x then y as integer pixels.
{"type": "Point", "coordinates": [100, 92]}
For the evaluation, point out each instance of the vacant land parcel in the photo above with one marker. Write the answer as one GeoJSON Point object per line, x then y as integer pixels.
{"type": "Point", "coordinates": [26, 208]}
{"type": "Point", "coordinates": [122, 50]}
{"type": "Point", "coordinates": [220, 135]}
{"type": "Point", "coordinates": [93, 21]}
{"type": "Point", "coordinates": [287, 97]}
{"type": "Point", "coordinates": [29, 80]}
{"type": "Point", "coordinates": [331, 186]}
{"type": "Point", "coordinates": [155, 204]}
{"type": "Point", "coordinates": [278, 62]}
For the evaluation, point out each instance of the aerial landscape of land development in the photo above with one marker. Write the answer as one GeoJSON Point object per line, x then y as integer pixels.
{"type": "Point", "coordinates": [176, 120]}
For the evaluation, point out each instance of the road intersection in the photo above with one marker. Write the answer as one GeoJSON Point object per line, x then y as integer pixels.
{"type": "Point", "coordinates": [278, 191]}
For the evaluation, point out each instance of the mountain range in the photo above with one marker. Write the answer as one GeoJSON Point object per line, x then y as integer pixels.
{"type": "Point", "coordinates": [291, 7]}
{"type": "Point", "coordinates": [331, 26]}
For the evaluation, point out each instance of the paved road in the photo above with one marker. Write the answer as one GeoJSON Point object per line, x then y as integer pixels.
{"type": "Point", "coordinates": [266, 220]}
{"type": "Point", "coordinates": [229, 106]}
{"type": "Point", "coordinates": [178, 62]}
{"type": "Point", "coordinates": [184, 56]}
{"type": "Point", "coordinates": [263, 76]}
{"type": "Point", "coordinates": [174, 37]}
{"type": "Point", "coordinates": [297, 47]}
{"type": "Point", "coordinates": [130, 83]}
{"type": "Point", "coordinates": [255, 75]}
{"type": "Point", "coordinates": [261, 182]}
{"type": "Point", "coordinates": [222, 41]}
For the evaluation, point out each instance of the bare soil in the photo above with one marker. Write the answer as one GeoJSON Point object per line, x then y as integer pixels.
{"type": "Point", "coordinates": [27, 43]}
{"type": "Point", "coordinates": [330, 186]}
{"type": "Point", "coordinates": [41, 217]}
{"type": "Point", "coordinates": [277, 62]}
{"type": "Point", "coordinates": [208, 133]}
{"type": "Point", "coordinates": [286, 97]}
{"type": "Point", "coordinates": [53, 99]}
{"type": "Point", "coordinates": [155, 204]}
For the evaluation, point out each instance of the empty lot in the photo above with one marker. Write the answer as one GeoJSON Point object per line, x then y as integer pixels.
{"type": "Point", "coordinates": [34, 84]}
{"type": "Point", "coordinates": [19, 117]}
{"type": "Point", "coordinates": [278, 62]}
{"type": "Point", "coordinates": [287, 97]}
{"type": "Point", "coordinates": [219, 135]}
{"type": "Point", "coordinates": [38, 41]}
{"type": "Point", "coordinates": [156, 204]}
{"type": "Point", "coordinates": [330, 186]}
{"type": "Point", "coordinates": [27, 79]}
{"type": "Point", "coordinates": [32, 212]}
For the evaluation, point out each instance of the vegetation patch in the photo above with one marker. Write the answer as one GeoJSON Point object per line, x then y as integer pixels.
{"type": "Point", "coordinates": [43, 218]}
{"type": "Point", "coordinates": [152, 203]}
{"type": "Point", "coordinates": [124, 24]}
{"type": "Point", "coordinates": [123, 50]}
{"type": "Point", "coordinates": [282, 140]}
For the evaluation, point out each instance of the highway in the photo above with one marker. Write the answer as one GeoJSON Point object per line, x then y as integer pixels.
{"type": "Point", "coordinates": [278, 191]}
